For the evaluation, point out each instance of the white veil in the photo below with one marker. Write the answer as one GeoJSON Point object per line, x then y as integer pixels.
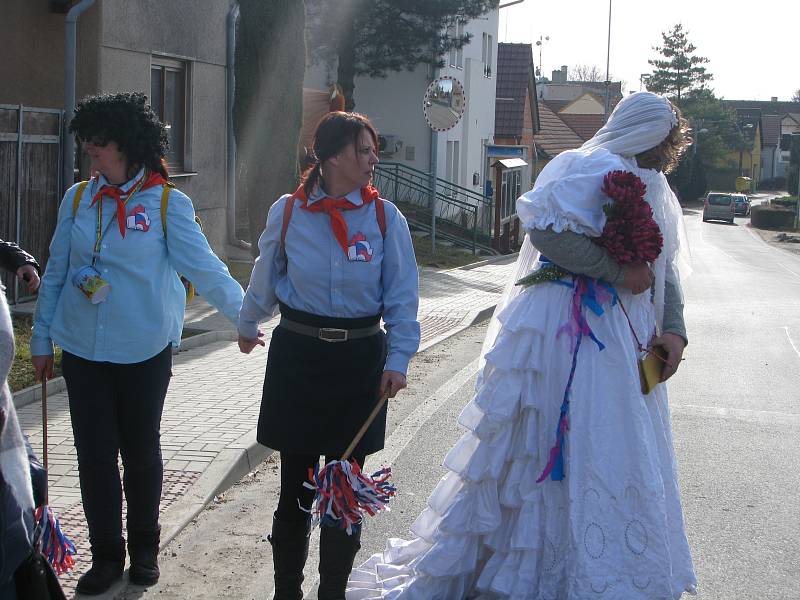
{"type": "Point", "coordinates": [639, 122]}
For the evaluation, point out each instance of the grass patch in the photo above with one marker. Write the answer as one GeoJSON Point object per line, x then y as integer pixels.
{"type": "Point", "coordinates": [445, 257]}
{"type": "Point", "coordinates": [21, 375]}
{"type": "Point", "coordinates": [240, 271]}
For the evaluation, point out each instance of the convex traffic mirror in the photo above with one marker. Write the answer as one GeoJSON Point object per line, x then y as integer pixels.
{"type": "Point", "coordinates": [444, 103]}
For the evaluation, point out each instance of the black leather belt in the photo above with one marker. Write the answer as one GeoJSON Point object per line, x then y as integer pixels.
{"type": "Point", "coordinates": [329, 334]}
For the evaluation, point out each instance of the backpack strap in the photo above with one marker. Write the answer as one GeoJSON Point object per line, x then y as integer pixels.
{"type": "Point", "coordinates": [164, 205]}
{"type": "Point", "coordinates": [287, 215]}
{"type": "Point", "coordinates": [380, 214]}
{"type": "Point", "coordinates": [76, 200]}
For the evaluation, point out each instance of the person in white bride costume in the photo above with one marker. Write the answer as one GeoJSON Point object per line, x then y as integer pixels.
{"type": "Point", "coordinates": [612, 527]}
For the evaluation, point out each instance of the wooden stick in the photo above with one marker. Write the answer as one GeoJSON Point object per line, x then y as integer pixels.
{"type": "Point", "coordinates": [381, 401]}
{"type": "Point", "coordinates": [44, 432]}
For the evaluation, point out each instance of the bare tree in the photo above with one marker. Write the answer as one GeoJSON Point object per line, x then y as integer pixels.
{"type": "Point", "coordinates": [591, 73]}
{"type": "Point", "coordinates": [796, 97]}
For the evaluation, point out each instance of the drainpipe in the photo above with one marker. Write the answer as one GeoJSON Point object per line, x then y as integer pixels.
{"type": "Point", "coordinates": [231, 138]}
{"type": "Point", "coordinates": [70, 36]}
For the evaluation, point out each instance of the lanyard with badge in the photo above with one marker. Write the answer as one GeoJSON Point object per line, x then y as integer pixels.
{"type": "Point", "coordinates": [88, 278]}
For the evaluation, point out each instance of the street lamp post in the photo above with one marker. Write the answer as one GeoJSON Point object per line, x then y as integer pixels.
{"type": "Point", "coordinates": [608, 65]}
{"type": "Point", "coordinates": [540, 42]}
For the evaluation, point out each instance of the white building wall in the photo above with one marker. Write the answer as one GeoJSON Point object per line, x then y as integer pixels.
{"type": "Point", "coordinates": [476, 70]}
{"type": "Point", "coordinates": [394, 104]}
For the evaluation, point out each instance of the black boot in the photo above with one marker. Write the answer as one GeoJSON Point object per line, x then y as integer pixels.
{"type": "Point", "coordinates": [108, 563]}
{"type": "Point", "coordinates": [143, 550]}
{"type": "Point", "coordinates": [337, 551]}
{"type": "Point", "coordinates": [289, 553]}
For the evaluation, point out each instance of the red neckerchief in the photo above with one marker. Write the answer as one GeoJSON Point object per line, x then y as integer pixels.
{"type": "Point", "coordinates": [334, 206]}
{"type": "Point", "coordinates": [116, 193]}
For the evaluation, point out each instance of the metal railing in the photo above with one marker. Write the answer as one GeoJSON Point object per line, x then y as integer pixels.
{"type": "Point", "coordinates": [463, 216]}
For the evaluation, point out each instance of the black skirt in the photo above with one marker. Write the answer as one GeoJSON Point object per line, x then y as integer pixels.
{"type": "Point", "coordinates": [318, 394]}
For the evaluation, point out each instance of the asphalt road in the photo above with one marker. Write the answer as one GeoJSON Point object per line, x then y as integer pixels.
{"type": "Point", "coordinates": [735, 419]}
{"type": "Point", "coordinates": [736, 416]}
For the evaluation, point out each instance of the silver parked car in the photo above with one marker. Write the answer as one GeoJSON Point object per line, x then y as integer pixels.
{"type": "Point", "coordinates": [742, 204]}
{"type": "Point", "coordinates": [719, 206]}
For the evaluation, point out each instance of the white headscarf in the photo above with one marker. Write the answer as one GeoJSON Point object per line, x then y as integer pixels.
{"type": "Point", "coordinates": [639, 122]}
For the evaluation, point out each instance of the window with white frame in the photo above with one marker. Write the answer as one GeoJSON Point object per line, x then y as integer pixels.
{"type": "Point", "coordinates": [486, 54]}
{"type": "Point", "coordinates": [456, 162]}
{"type": "Point", "coordinates": [456, 57]}
{"type": "Point", "coordinates": [460, 51]}
{"type": "Point", "coordinates": [169, 97]}
{"type": "Point", "coordinates": [509, 192]}
{"type": "Point", "coordinates": [451, 34]}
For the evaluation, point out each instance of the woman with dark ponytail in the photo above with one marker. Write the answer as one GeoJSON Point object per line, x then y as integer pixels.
{"type": "Point", "coordinates": [112, 299]}
{"type": "Point", "coordinates": [335, 259]}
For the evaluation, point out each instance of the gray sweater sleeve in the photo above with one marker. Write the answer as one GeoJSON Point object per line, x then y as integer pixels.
{"type": "Point", "coordinates": [673, 312]}
{"type": "Point", "coordinates": [579, 254]}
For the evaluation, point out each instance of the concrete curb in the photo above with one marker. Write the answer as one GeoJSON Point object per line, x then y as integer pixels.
{"type": "Point", "coordinates": [32, 394]}
{"type": "Point", "coordinates": [472, 318]}
{"type": "Point", "coordinates": [209, 337]}
{"type": "Point", "coordinates": [488, 261]}
{"type": "Point", "coordinates": [230, 466]}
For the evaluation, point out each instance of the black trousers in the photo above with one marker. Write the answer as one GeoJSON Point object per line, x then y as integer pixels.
{"type": "Point", "coordinates": [116, 409]}
{"type": "Point", "coordinates": [295, 499]}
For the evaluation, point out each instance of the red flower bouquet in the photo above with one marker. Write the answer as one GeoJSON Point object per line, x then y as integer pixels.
{"type": "Point", "coordinates": [630, 235]}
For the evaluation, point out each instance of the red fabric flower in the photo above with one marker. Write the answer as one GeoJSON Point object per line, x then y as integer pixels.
{"type": "Point", "coordinates": [630, 235]}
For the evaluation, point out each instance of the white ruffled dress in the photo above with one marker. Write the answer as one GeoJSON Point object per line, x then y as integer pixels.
{"type": "Point", "coordinates": [613, 527]}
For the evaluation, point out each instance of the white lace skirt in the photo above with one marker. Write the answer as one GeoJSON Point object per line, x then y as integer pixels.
{"type": "Point", "coordinates": [611, 529]}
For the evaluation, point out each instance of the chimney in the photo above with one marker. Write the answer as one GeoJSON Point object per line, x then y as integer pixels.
{"type": "Point", "coordinates": [560, 76]}
{"type": "Point", "coordinates": [773, 99]}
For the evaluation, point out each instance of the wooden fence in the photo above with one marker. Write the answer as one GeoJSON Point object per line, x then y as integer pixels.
{"type": "Point", "coordinates": [30, 182]}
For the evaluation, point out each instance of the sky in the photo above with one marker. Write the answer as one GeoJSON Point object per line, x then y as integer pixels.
{"type": "Point", "coordinates": [752, 46]}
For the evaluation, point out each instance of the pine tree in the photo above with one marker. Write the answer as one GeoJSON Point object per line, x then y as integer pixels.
{"type": "Point", "coordinates": [678, 71]}
{"type": "Point", "coordinates": [376, 37]}
{"type": "Point", "coordinates": [268, 107]}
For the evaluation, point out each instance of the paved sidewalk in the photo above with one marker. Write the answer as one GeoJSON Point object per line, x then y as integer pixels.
{"type": "Point", "coordinates": [211, 409]}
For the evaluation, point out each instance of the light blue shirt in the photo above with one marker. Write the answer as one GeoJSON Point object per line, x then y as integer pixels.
{"type": "Point", "coordinates": [144, 311]}
{"type": "Point", "coordinates": [321, 280]}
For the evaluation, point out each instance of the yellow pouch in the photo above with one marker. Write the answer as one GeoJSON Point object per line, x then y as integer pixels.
{"type": "Point", "coordinates": [650, 368]}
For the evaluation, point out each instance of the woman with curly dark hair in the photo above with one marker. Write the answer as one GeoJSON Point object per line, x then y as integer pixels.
{"type": "Point", "coordinates": [112, 299]}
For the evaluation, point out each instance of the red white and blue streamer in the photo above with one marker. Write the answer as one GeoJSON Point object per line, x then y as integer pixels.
{"type": "Point", "coordinates": [592, 294]}
{"type": "Point", "coordinates": [55, 545]}
{"type": "Point", "coordinates": [344, 494]}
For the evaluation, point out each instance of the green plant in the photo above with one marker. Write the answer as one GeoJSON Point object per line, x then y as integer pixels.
{"type": "Point", "coordinates": [445, 257]}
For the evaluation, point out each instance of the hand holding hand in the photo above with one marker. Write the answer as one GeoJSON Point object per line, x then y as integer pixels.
{"type": "Point", "coordinates": [29, 275]}
{"type": "Point", "coordinates": [393, 381]}
{"type": "Point", "coordinates": [674, 345]}
{"type": "Point", "coordinates": [638, 278]}
{"type": "Point", "coordinates": [246, 345]}
{"type": "Point", "coordinates": [42, 366]}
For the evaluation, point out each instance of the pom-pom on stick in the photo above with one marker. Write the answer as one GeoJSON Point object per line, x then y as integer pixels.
{"type": "Point", "coordinates": [56, 547]}
{"type": "Point", "coordinates": [343, 493]}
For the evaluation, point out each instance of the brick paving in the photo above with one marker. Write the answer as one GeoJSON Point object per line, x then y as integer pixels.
{"type": "Point", "coordinates": [213, 401]}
